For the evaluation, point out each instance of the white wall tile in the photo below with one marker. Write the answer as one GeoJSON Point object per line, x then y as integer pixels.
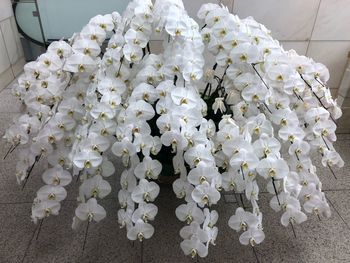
{"type": "Point", "coordinates": [287, 19]}
{"type": "Point", "coordinates": [17, 68]}
{"type": "Point", "coordinates": [299, 46]}
{"type": "Point", "coordinates": [16, 35]}
{"type": "Point", "coordinates": [5, 9]}
{"type": "Point", "coordinates": [10, 40]}
{"type": "Point", "coordinates": [4, 60]}
{"type": "Point", "coordinates": [333, 21]}
{"type": "Point", "coordinates": [334, 54]}
{"type": "Point", "coordinates": [5, 78]}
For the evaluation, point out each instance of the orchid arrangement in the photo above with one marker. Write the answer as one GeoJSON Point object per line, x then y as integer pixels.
{"type": "Point", "coordinates": [251, 110]}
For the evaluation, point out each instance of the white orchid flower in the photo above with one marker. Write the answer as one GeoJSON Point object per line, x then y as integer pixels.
{"type": "Point", "coordinates": [96, 142]}
{"type": "Point", "coordinates": [202, 173]}
{"type": "Point", "coordinates": [144, 92]}
{"type": "Point", "coordinates": [104, 127]}
{"type": "Point", "coordinates": [145, 212]}
{"type": "Point", "coordinates": [148, 168]}
{"type": "Point", "coordinates": [252, 190]}
{"type": "Point", "coordinates": [271, 167]}
{"type": "Point", "coordinates": [245, 52]}
{"type": "Point", "coordinates": [326, 129]}
{"type": "Point", "coordinates": [125, 201]}
{"type": "Point", "coordinates": [266, 145]}
{"type": "Point", "coordinates": [284, 117]}
{"type": "Point", "coordinates": [44, 209]}
{"type": "Point", "coordinates": [124, 148]}
{"type": "Point", "coordinates": [299, 149]}
{"type": "Point", "coordinates": [124, 218]}
{"type": "Point", "coordinates": [90, 211]}
{"type": "Point", "coordinates": [315, 204]}
{"type": "Point", "coordinates": [242, 220]}
{"type": "Point", "coordinates": [293, 216]}
{"type": "Point", "coordinates": [57, 176]}
{"type": "Point", "coordinates": [137, 38]}
{"type": "Point", "coordinates": [332, 158]}
{"type": "Point", "coordinates": [192, 72]}
{"type": "Point", "coordinates": [252, 236]}
{"type": "Point", "coordinates": [185, 97]}
{"type": "Point", "coordinates": [291, 133]}
{"type": "Point", "coordinates": [95, 187]}
{"type": "Point", "coordinates": [80, 63]}
{"type": "Point", "coordinates": [283, 201]}
{"type": "Point", "coordinates": [314, 115]}
{"type": "Point", "coordinates": [93, 32]}
{"type": "Point", "coordinates": [183, 189]}
{"type": "Point", "coordinates": [141, 110]}
{"type": "Point", "coordinates": [145, 191]}
{"type": "Point", "coordinates": [233, 181]}
{"type": "Point", "coordinates": [244, 160]}
{"type": "Point", "coordinates": [194, 247]}
{"type": "Point", "coordinates": [132, 52]}
{"type": "Point", "coordinates": [128, 180]}
{"type": "Point", "coordinates": [140, 231]}
{"type": "Point", "coordinates": [52, 61]}
{"type": "Point", "coordinates": [87, 159]}
{"type": "Point", "coordinates": [51, 192]}
{"type": "Point", "coordinates": [174, 139]}
{"type": "Point", "coordinates": [190, 212]}
{"type": "Point", "coordinates": [103, 21]}
{"type": "Point", "coordinates": [60, 48]}
{"type": "Point", "coordinates": [103, 111]}
{"type": "Point", "coordinates": [211, 217]}
{"type": "Point", "coordinates": [87, 47]}
{"type": "Point", "coordinates": [194, 230]}
{"type": "Point", "coordinates": [197, 154]}
{"type": "Point", "coordinates": [205, 194]}
{"type": "Point", "coordinates": [292, 183]}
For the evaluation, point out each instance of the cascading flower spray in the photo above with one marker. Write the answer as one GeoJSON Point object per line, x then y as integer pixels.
{"type": "Point", "coordinates": [216, 124]}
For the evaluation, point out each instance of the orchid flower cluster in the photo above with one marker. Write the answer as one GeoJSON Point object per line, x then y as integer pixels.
{"type": "Point", "coordinates": [257, 111]}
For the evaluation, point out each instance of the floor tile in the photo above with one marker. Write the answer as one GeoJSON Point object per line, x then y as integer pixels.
{"type": "Point", "coordinates": [317, 241]}
{"type": "Point", "coordinates": [340, 200]}
{"type": "Point", "coordinates": [8, 102]}
{"type": "Point", "coordinates": [57, 242]}
{"type": "Point", "coordinates": [16, 231]}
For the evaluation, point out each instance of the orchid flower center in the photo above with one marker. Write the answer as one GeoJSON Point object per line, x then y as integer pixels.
{"type": "Point", "coordinates": [147, 197]}
{"type": "Point", "coordinates": [47, 212]}
{"type": "Point", "coordinates": [272, 172]}
{"type": "Point", "coordinates": [51, 196]}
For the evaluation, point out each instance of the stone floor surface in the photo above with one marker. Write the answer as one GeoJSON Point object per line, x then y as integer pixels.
{"type": "Point", "coordinates": [327, 240]}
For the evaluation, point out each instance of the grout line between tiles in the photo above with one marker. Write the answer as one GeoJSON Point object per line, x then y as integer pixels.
{"type": "Point", "coordinates": [313, 27]}
{"type": "Point", "coordinates": [6, 18]}
{"type": "Point", "coordinates": [7, 53]}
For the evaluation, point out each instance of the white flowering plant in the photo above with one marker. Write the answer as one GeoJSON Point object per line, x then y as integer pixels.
{"type": "Point", "coordinates": [221, 106]}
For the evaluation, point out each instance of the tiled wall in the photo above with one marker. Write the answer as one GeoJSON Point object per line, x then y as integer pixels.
{"type": "Point", "coordinates": [11, 53]}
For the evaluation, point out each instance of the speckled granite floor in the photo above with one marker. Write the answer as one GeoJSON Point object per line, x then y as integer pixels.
{"type": "Point", "coordinates": [327, 240]}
